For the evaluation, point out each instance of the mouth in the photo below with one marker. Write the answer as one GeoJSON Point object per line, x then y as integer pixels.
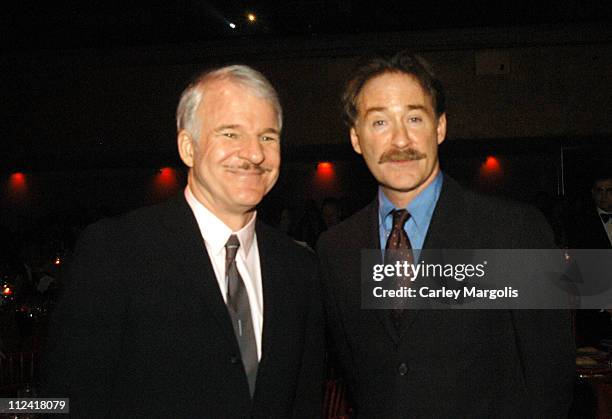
{"type": "Point", "coordinates": [401, 156]}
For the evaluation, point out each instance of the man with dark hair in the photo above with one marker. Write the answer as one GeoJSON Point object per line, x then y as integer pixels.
{"type": "Point", "coordinates": [593, 230]}
{"type": "Point", "coordinates": [194, 308]}
{"type": "Point", "coordinates": [602, 195]}
{"type": "Point", "coordinates": [433, 363]}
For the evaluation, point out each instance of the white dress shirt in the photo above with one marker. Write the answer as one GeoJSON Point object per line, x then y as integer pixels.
{"type": "Point", "coordinates": [215, 234]}
{"type": "Point", "coordinates": [608, 225]}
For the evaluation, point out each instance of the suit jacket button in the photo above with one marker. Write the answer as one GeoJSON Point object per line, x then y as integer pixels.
{"type": "Point", "coordinates": [402, 369]}
{"type": "Point", "coordinates": [234, 359]}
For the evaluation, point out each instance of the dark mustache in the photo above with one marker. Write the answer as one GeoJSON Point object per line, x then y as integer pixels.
{"type": "Point", "coordinates": [401, 155]}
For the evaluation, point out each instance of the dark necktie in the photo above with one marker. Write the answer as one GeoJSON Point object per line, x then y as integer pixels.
{"type": "Point", "coordinates": [401, 248]}
{"type": "Point", "coordinates": [240, 312]}
{"type": "Point", "coordinates": [605, 217]}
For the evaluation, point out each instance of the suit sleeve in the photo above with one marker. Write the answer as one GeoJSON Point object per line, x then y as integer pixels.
{"type": "Point", "coordinates": [85, 331]}
{"type": "Point", "coordinates": [338, 351]}
{"type": "Point", "coordinates": [309, 393]}
{"type": "Point", "coordinates": [545, 342]}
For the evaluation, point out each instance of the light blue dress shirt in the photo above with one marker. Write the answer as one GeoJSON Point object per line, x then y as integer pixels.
{"type": "Point", "coordinates": [421, 209]}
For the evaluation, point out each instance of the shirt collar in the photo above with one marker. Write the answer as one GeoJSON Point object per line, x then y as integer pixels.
{"type": "Point", "coordinates": [420, 208]}
{"type": "Point", "coordinates": [214, 231]}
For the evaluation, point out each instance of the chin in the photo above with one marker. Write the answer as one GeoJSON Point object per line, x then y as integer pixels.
{"type": "Point", "coordinates": [403, 185]}
{"type": "Point", "coordinates": [249, 199]}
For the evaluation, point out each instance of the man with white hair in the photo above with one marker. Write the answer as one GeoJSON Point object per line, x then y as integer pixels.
{"type": "Point", "coordinates": [192, 307]}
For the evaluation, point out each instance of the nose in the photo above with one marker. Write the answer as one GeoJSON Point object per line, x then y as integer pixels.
{"type": "Point", "coordinates": [401, 136]}
{"type": "Point", "coordinates": [252, 151]}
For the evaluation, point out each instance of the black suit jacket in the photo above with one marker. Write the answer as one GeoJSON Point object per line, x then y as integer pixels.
{"type": "Point", "coordinates": [459, 363]}
{"type": "Point", "coordinates": [587, 232]}
{"type": "Point", "coordinates": [142, 329]}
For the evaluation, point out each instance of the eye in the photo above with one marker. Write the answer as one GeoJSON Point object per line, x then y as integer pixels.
{"type": "Point", "coordinates": [230, 135]}
{"type": "Point", "coordinates": [379, 123]}
{"type": "Point", "coordinates": [268, 138]}
{"type": "Point", "coordinates": [415, 119]}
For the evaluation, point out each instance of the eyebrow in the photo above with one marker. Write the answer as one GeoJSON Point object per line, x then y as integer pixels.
{"type": "Point", "coordinates": [271, 131]}
{"type": "Point", "coordinates": [383, 108]}
{"type": "Point", "coordinates": [417, 107]}
{"type": "Point", "coordinates": [237, 126]}
{"type": "Point", "coordinates": [224, 127]}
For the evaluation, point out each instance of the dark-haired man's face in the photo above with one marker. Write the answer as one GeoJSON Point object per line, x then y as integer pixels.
{"type": "Point", "coordinates": [602, 194]}
{"type": "Point", "coordinates": [398, 133]}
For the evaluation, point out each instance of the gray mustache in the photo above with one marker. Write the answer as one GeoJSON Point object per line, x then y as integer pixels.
{"type": "Point", "coordinates": [250, 167]}
{"type": "Point", "coordinates": [401, 155]}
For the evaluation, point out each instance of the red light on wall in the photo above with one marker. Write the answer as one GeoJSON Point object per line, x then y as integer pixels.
{"type": "Point", "coordinates": [491, 165]}
{"type": "Point", "coordinates": [17, 181]}
{"type": "Point", "coordinates": [7, 291]}
{"type": "Point", "coordinates": [491, 173]}
{"type": "Point", "coordinates": [325, 170]}
{"type": "Point", "coordinates": [165, 183]}
{"type": "Point", "coordinates": [167, 176]}
{"type": "Point", "coordinates": [17, 188]}
{"type": "Point", "coordinates": [325, 179]}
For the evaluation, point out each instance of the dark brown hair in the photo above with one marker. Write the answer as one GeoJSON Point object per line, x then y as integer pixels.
{"type": "Point", "coordinates": [402, 62]}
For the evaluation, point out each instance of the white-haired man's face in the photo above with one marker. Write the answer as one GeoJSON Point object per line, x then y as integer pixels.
{"type": "Point", "coordinates": [236, 159]}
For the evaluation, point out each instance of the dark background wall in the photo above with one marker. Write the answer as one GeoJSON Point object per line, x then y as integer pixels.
{"type": "Point", "coordinates": [83, 108]}
{"type": "Point", "coordinates": [89, 129]}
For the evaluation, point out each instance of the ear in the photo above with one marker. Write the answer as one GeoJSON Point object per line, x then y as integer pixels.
{"type": "Point", "coordinates": [355, 141]}
{"type": "Point", "coordinates": [441, 129]}
{"type": "Point", "coordinates": [186, 147]}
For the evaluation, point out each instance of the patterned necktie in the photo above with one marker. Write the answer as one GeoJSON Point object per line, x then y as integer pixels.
{"type": "Point", "coordinates": [240, 312]}
{"type": "Point", "coordinates": [401, 248]}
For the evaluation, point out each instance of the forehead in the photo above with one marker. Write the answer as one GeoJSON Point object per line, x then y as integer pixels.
{"type": "Point", "coordinates": [392, 88]}
{"type": "Point", "coordinates": [222, 90]}
{"type": "Point", "coordinates": [230, 96]}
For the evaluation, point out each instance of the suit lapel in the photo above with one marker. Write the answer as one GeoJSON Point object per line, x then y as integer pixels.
{"type": "Point", "coordinates": [447, 229]}
{"type": "Point", "coordinates": [272, 272]}
{"type": "Point", "coordinates": [599, 235]}
{"type": "Point", "coordinates": [369, 238]}
{"type": "Point", "coordinates": [187, 244]}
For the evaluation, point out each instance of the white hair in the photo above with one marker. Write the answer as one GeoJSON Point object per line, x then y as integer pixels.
{"type": "Point", "coordinates": [186, 112]}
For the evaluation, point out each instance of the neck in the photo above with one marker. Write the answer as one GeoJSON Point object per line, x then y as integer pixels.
{"type": "Point", "coordinates": [401, 199]}
{"type": "Point", "coordinates": [234, 220]}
